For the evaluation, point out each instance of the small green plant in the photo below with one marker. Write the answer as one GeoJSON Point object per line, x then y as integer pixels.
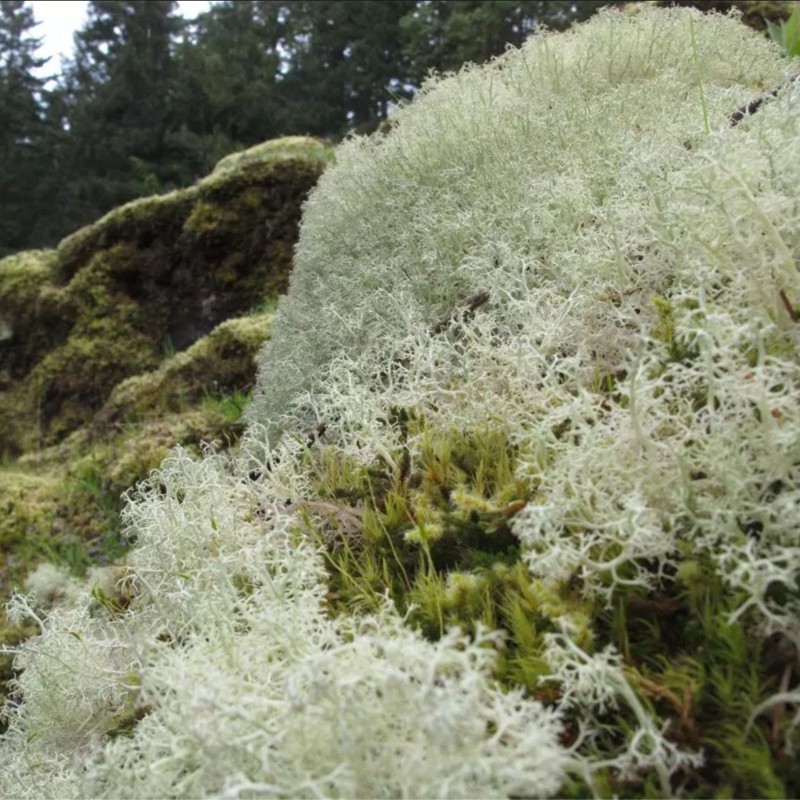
{"type": "Point", "coordinates": [787, 33]}
{"type": "Point", "coordinates": [167, 347]}
{"type": "Point", "coordinates": [231, 406]}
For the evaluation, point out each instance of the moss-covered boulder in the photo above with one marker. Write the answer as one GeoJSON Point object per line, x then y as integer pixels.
{"type": "Point", "coordinates": [62, 502]}
{"type": "Point", "coordinates": [148, 279]}
{"type": "Point", "coordinates": [61, 505]}
{"type": "Point", "coordinates": [34, 316]}
{"type": "Point", "coordinates": [219, 364]}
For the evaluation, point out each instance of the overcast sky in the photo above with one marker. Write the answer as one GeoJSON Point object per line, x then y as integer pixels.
{"type": "Point", "coordinates": [61, 18]}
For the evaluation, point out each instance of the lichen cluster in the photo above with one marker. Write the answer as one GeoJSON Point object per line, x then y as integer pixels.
{"type": "Point", "coordinates": [516, 513]}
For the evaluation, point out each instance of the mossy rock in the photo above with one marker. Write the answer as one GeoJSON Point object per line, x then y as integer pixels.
{"type": "Point", "coordinates": [29, 509]}
{"type": "Point", "coordinates": [148, 279]}
{"type": "Point", "coordinates": [217, 365]}
{"type": "Point", "coordinates": [34, 313]}
{"type": "Point", "coordinates": [194, 398]}
{"type": "Point", "coordinates": [287, 148]}
{"type": "Point", "coordinates": [63, 502]}
{"type": "Point", "coordinates": [77, 377]}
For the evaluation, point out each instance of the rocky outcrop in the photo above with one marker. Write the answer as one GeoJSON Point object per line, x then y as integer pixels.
{"type": "Point", "coordinates": [147, 280]}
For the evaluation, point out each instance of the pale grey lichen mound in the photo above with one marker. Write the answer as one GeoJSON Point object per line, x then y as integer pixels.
{"type": "Point", "coordinates": [639, 254]}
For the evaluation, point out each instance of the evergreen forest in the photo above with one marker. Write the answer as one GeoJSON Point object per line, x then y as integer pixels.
{"type": "Point", "coordinates": [150, 101]}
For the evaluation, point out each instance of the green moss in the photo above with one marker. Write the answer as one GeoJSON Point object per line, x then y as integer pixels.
{"type": "Point", "coordinates": [23, 274]}
{"type": "Point", "coordinates": [149, 278]}
{"type": "Point", "coordinates": [28, 511]}
{"type": "Point", "coordinates": [163, 216]}
{"type": "Point", "coordinates": [289, 147]}
{"type": "Point", "coordinates": [18, 429]}
{"type": "Point", "coordinates": [101, 287]}
{"type": "Point", "coordinates": [435, 534]}
{"type": "Point", "coordinates": [216, 365]}
{"type": "Point", "coordinates": [254, 209]}
{"type": "Point", "coordinates": [73, 381]}
{"type": "Point", "coordinates": [139, 222]}
{"type": "Point", "coordinates": [34, 314]}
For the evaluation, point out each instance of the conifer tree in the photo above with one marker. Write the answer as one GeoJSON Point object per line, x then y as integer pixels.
{"type": "Point", "coordinates": [345, 61]}
{"type": "Point", "coordinates": [225, 93]}
{"type": "Point", "coordinates": [22, 126]}
{"type": "Point", "coordinates": [442, 35]}
{"type": "Point", "coordinates": [117, 92]}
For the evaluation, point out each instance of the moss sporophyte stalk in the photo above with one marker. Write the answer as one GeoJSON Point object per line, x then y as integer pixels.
{"type": "Point", "coordinates": [541, 545]}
